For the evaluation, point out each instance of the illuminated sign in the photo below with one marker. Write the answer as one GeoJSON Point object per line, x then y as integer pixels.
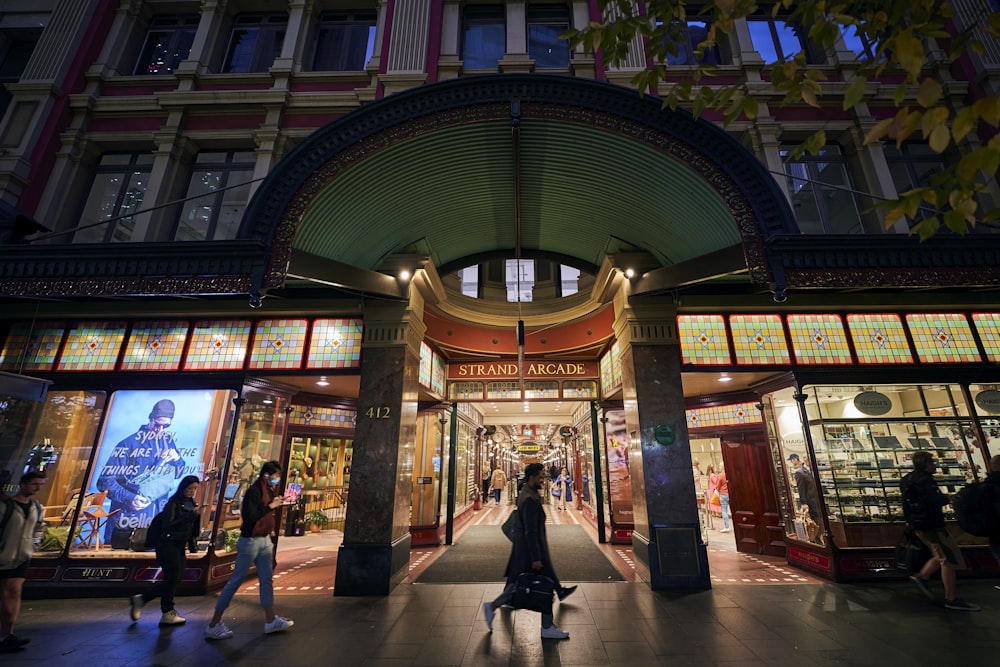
{"type": "Point", "coordinates": [532, 369]}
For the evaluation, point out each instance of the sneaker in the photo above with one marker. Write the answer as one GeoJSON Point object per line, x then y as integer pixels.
{"type": "Point", "coordinates": [220, 631]}
{"type": "Point", "coordinates": [13, 643]}
{"type": "Point", "coordinates": [565, 592]}
{"type": "Point", "coordinates": [171, 618]}
{"type": "Point", "coordinates": [961, 605]}
{"type": "Point", "coordinates": [488, 613]}
{"type": "Point", "coordinates": [924, 588]}
{"type": "Point", "coordinates": [137, 603]}
{"type": "Point", "coordinates": [279, 624]}
{"type": "Point", "coordinates": [553, 632]}
{"type": "Point", "coordinates": [725, 530]}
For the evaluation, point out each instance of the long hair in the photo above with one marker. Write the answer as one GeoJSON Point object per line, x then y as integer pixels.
{"type": "Point", "coordinates": [186, 481]}
{"type": "Point", "coordinates": [269, 468]}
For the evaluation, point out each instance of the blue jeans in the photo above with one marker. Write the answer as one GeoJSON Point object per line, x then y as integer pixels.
{"type": "Point", "coordinates": [724, 501]}
{"type": "Point", "coordinates": [496, 494]}
{"type": "Point", "coordinates": [256, 550]}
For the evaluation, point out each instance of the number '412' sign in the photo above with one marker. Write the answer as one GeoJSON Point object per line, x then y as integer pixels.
{"type": "Point", "coordinates": [381, 412]}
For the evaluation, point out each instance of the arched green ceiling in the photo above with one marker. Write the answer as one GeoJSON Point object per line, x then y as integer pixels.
{"type": "Point", "coordinates": [454, 189]}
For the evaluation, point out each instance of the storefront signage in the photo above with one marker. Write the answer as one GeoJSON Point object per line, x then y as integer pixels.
{"type": "Point", "coordinates": [425, 480]}
{"type": "Point", "coordinates": [532, 370]}
{"type": "Point", "coordinates": [808, 558]}
{"type": "Point", "coordinates": [566, 431]}
{"type": "Point", "coordinates": [95, 574]}
{"type": "Point", "coordinates": [380, 412]}
{"type": "Point", "coordinates": [529, 447]}
{"type": "Point", "coordinates": [872, 403]}
{"type": "Point", "coordinates": [664, 434]}
{"type": "Point", "coordinates": [989, 400]}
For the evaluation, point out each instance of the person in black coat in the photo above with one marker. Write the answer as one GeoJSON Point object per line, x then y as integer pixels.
{"type": "Point", "coordinates": [530, 551]}
{"type": "Point", "coordinates": [993, 479]}
{"type": "Point", "coordinates": [180, 528]}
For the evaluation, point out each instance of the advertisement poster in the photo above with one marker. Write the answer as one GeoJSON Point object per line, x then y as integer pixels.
{"type": "Point", "coordinates": [151, 439]}
{"type": "Point", "coordinates": [619, 477]}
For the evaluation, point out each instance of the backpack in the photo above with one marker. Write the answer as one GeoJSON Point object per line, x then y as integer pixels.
{"type": "Point", "coordinates": [915, 509]}
{"type": "Point", "coordinates": [153, 531]}
{"type": "Point", "coordinates": [974, 509]}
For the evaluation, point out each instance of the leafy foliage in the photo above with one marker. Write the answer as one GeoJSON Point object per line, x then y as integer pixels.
{"type": "Point", "coordinates": [908, 39]}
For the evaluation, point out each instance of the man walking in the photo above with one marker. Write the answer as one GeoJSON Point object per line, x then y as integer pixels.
{"type": "Point", "coordinates": [530, 551]}
{"type": "Point", "coordinates": [22, 525]}
{"type": "Point", "coordinates": [993, 480]}
{"type": "Point", "coordinates": [922, 503]}
{"type": "Point", "coordinates": [808, 498]}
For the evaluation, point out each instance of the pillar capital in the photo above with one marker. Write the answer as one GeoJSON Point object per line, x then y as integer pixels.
{"type": "Point", "coordinates": [645, 320]}
{"type": "Point", "coordinates": [395, 324]}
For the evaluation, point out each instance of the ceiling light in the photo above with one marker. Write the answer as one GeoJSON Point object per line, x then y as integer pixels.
{"type": "Point", "coordinates": [404, 275]}
{"type": "Point", "coordinates": [725, 378]}
{"type": "Point", "coordinates": [321, 382]}
{"type": "Point", "coordinates": [629, 273]}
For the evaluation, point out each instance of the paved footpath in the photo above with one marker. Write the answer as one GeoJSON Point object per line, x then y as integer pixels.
{"type": "Point", "coordinates": [885, 624]}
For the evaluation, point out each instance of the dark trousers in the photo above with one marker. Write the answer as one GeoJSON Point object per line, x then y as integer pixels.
{"type": "Point", "coordinates": [170, 556]}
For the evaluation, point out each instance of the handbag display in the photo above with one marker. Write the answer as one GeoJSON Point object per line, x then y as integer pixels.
{"type": "Point", "coordinates": [533, 591]}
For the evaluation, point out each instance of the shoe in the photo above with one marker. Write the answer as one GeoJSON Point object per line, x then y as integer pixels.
{"type": "Point", "coordinates": [279, 624]}
{"type": "Point", "coordinates": [488, 613]}
{"type": "Point", "coordinates": [220, 631]}
{"type": "Point", "coordinates": [171, 618]}
{"type": "Point", "coordinates": [553, 632]}
{"type": "Point", "coordinates": [13, 643]}
{"type": "Point", "coordinates": [725, 530]}
{"type": "Point", "coordinates": [137, 603]}
{"type": "Point", "coordinates": [961, 605]}
{"type": "Point", "coordinates": [924, 588]}
{"type": "Point", "coordinates": [565, 592]}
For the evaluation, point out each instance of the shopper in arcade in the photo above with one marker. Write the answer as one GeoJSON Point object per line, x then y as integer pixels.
{"type": "Point", "coordinates": [255, 546]}
{"type": "Point", "coordinates": [564, 483]}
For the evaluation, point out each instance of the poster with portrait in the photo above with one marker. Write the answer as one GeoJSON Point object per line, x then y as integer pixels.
{"type": "Point", "coordinates": [151, 439]}
{"type": "Point", "coordinates": [619, 476]}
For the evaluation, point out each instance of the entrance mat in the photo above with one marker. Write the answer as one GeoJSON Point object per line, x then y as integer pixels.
{"type": "Point", "coordinates": [480, 556]}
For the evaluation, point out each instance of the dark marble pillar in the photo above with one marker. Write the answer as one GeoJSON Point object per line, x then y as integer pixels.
{"type": "Point", "coordinates": [376, 548]}
{"type": "Point", "coordinates": [667, 536]}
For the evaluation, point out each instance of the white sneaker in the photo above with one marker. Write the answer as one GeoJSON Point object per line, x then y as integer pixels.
{"type": "Point", "coordinates": [137, 603]}
{"type": "Point", "coordinates": [279, 624]}
{"type": "Point", "coordinates": [220, 631]}
{"type": "Point", "coordinates": [171, 618]}
{"type": "Point", "coordinates": [553, 632]}
{"type": "Point", "coordinates": [488, 613]}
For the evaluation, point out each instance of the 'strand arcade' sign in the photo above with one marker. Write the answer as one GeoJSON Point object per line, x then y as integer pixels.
{"type": "Point", "coordinates": [547, 369]}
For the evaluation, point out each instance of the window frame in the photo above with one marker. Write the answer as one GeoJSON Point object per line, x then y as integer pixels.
{"type": "Point", "coordinates": [483, 20]}
{"type": "Point", "coordinates": [687, 46]}
{"type": "Point", "coordinates": [274, 23]}
{"type": "Point", "coordinates": [535, 16]}
{"type": "Point", "coordinates": [811, 167]}
{"type": "Point", "coordinates": [126, 171]}
{"type": "Point", "coordinates": [177, 26]}
{"type": "Point", "coordinates": [814, 53]}
{"type": "Point", "coordinates": [330, 21]}
{"type": "Point", "coordinates": [227, 167]}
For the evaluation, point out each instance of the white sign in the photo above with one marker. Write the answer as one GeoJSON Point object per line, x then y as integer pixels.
{"type": "Point", "coordinates": [989, 400]}
{"type": "Point", "coordinates": [872, 403]}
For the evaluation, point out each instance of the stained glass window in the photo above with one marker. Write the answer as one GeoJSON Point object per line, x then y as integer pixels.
{"type": "Point", "coordinates": [579, 389]}
{"type": "Point", "coordinates": [465, 391]}
{"type": "Point", "coordinates": [218, 345]}
{"type": "Point", "coordinates": [426, 359]}
{"type": "Point", "coordinates": [759, 339]}
{"type": "Point", "coordinates": [307, 415]}
{"type": "Point", "coordinates": [988, 327]}
{"type": "Point", "coordinates": [437, 374]}
{"type": "Point", "coordinates": [879, 338]}
{"type": "Point", "coordinates": [92, 346]}
{"type": "Point", "coordinates": [278, 344]}
{"type": "Point", "coordinates": [503, 390]}
{"type": "Point", "coordinates": [336, 343]}
{"type": "Point", "coordinates": [155, 346]}
{"type": "Point", "coordinates": [819, 339]}
{"type": "Point", "coordinates": [606, 377]}
{"type": "Point", "coordinates": [733, 414]}
{"type": "Point", "coordinates": [541, 389]}
{"type": "Point", "coordinates": [703, 339]}
{"type": "Point", "coordinates": [942, 338]}
{"type": "Point", "coordinates": [30, 348]}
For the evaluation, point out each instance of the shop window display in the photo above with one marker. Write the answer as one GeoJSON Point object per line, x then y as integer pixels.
{"type": "Point", "coordinates": [863, 439]}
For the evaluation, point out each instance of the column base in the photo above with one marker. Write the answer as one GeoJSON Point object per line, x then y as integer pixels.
{"type": "Point", "coordinates": [673, 558]}
{"type": "Point", "coordinates": [371, 569]}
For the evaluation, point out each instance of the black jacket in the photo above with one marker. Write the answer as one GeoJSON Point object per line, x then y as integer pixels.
{"type": "Point", "coordinates": [255, 506]}
{"type": "Point", "coordinates": [530, 543]}
{"type": "Point", "coordinates": [181, 523]}
{"type": "Point", "coordinates": [922, 501]}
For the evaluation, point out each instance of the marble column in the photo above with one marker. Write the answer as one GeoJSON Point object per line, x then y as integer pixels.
{"type": "Point", "coordinates": [376, 548]}
{"type": "Point", "coordinates": [667, 537]}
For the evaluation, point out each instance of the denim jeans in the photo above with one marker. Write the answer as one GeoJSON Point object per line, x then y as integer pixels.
{"type": "Point", "coordinates": [256, 550]}
{"type": "Point", "coordinates": [724, 501]}
{"type": "Point", "coordinates": [496, 494]}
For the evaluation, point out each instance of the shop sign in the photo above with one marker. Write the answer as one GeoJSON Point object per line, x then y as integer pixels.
{"type": "Point", "coordinates": [872, 403]}
{"type": "Point", "coordinates": [532, 370]}
{"type": "Point", "coordinates": [425, 480]}
{"type": "Point", "coordinates": [566, 431]}
{"type": "Point", "coordinates": [529, 447]}
{"type": "Point", "coordinates": [989, 400]}
{"type": "Point", "coordinates": [95, 574]}
{"type": "Point", "coordinates": [664, 434]}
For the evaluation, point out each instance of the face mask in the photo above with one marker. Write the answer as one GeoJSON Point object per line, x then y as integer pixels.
{"type": "Point", "coordinates": [273, 481]}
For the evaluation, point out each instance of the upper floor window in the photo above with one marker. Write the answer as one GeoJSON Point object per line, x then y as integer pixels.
{"type": "Point", "coordinates": [255, 42]}
{"type": "Point", "coordinates": [545, 24]}
{"type": "Point", "coordinates": [687, 37]}
{"type": "Point", "coordinates": [484, 36]}
{"type": "Point", "coordinates": [345, 41]}
{"type": "Point", "coordinates": [216, 197]}
{"type": "Point", "coordinates": [912, 166]}
{"type": "Point", "coordinates": [822, 193]}
{"type": "Point", "coordinates": [779, 40]}
{"type": "Point", "coordinates": [116, 193]}
{"type": "Point", "coordinates": [168, 42]}
{"type": "Point", "coordinates": [16, 47]}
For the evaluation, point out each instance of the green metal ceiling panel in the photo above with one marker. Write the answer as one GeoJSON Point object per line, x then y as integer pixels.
{"type": "Point", "coordinates": [454, 189]}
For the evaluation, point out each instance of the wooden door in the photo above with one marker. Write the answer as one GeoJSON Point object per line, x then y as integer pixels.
{"type": "Point", "coordinates": [753, 499]}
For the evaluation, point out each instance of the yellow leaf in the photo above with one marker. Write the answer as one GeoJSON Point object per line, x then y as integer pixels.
{"type": "Point", "coordinates": [809, 96]}
{"type": "Point", "coordinates": [929, 93]}
{"type": "Point", "coordinates": [940, 138]}
{"type": "Point", "coordinates": [932, 119]}
{"type": "Point", "coordinates": [878, 131]}
{"type": "Point", "coordinates": [909, 53]}
{"type": "Point", "coordinates": [989, 110]}
{"type": "Point", "coordinates": [964, 121]}
{"type": "Point", "coordinates": [855, 92]}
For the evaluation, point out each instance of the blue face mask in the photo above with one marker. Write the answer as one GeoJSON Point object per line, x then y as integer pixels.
{"type": "Point", "coordinates": [273, 481]}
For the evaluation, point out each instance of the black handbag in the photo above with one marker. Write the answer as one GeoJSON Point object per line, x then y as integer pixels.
{"type": "Point", "coordinates": [533, 591]}
{"type": "Point", "coordinates": [911, 553]}
{"type": "Point", "coordinates": [509, 526]}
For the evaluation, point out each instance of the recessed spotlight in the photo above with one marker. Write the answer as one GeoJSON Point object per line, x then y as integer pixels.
{"type": "Point", "coordinates": [629, 273]}
{"type": "Point", "coordinates": [725, 378]}
{"type": "Point", "coordinates": [321, 382]}
{"type": "Point", "coordinates": [404, 275]}
{"type": "Point", "coordinates": [267, 401]}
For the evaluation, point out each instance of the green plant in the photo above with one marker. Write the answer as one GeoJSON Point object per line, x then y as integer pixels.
{"type": "Point", "coordinates": [317, 518]}
{"type": "Point", "coordinates": [232, 537]}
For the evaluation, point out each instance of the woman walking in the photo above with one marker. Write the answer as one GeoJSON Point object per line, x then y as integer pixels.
{"type": "Point", "coordinates": [179, 530]}
{"type": "Point", "coordinates": [254, 546]}
{"type": "Point", "coordinates": [564, 482]}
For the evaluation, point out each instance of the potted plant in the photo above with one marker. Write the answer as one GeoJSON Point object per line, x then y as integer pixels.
{"type": "Point", "coordinates": [316, 520]}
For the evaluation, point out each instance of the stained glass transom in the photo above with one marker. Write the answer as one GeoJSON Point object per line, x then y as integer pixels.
{"type": "Point", "coordinates": [879, 338]}
{"type": "Point", "coordinates": [437, 374]}
{"type": "Point", "coordinates": [426, 357]}
{"type": "Point", "coordinates": [218, 345]}
{"type": "Point", "coordinates": [503, 390]}
{"type": "Point", "coordinates": [278, 344]}
{"type": "Point", "coordinates": [988, 327]}
{"type": "Point", "coordinates": [307, 415]}
{"type": "Point", "coordinates": [155, 346]}
{"type": "Point", "coordinates": [30, 348]}
{"type": "Point", "coordinates": [606, 379]}
{"type": "Point", "coordinates": [579, 389]}
{"type": "Point", "coordinates": [733, 414]}
{"type": "Point", "coordinates": [616, 365]}
{"type": "Point", "coordinates": [336, 343]}
{"type": "Point", "coordinates": [942, 337]}
{"type": "Point", "coordinates": [465, 391]}
{"type": "Point", "coordinates": [92, 346]}
{"type": "Point", "coordinates": [759, 339]}
{"type": "Point", "coordinates": [703, 339]}
{"type": "Point", "coordinates": [541, 389]}
{"type": "Point", "coordinates": [819, 339]}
